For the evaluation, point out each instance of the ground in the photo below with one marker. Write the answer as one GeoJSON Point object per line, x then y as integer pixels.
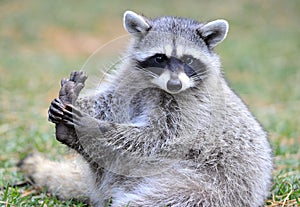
{"type": "Point", "coordinates": [42, 41]}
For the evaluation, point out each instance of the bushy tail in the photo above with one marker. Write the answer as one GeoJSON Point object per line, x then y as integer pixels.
{"type": "Point", "coordinates": [68, 179]}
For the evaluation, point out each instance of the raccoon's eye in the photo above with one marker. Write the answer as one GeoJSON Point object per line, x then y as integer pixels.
{"type": "Point", "coordinates": [188, 60]}
{"type": "Point", "coordinates": [160, 58]}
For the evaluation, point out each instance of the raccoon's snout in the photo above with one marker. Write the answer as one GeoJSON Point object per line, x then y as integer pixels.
{"type": "Point", "coordinates": [173, 82]}
{"type": "Point", "coordinates": [174, 85]}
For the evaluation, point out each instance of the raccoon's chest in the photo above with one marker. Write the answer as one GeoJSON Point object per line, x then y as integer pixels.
{"type": "Point", "coordinates": [149, 102]}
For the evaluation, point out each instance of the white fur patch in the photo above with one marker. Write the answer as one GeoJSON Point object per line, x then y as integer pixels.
{"type": "Point", "coordinates": [185, 81]}
{"type": "Point", "coordinates": [162, 80]}
{"type": "Point", "coordinates": [168, 50]}
{"type": "Point", "coordinates": [141, 56]}
{"type": "Point", "coordinates": [179, 50]}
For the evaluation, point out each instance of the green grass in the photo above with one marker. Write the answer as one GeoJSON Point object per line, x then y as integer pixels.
{"type": "Point", "coordinates": [42, 41]}
{"type": "Point", "coordinates": [19, 197]}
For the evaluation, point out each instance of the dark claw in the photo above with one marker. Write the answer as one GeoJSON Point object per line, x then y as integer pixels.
{"type": "Point", "coordinates": [54, 118]}
{"type": "Point", "coordinates": [68, 123]}
{"type": "Point", "coordinates": [73, 109]}
{"type": "Point", "coordinates": [70, 116]}
{"type": "Point", "coordinates": [58, 103]}
{"type": "Point", "coordinates": [67, 113]}
{"type": "Point", "coordinates": [56, 111]}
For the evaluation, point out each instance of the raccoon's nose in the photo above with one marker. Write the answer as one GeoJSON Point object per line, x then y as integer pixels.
{"type": "Point", "coordinates": [174, 85]}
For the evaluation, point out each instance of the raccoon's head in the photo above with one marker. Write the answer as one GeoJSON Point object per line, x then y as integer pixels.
{"type": "Point", "coordinates": [175, 53]}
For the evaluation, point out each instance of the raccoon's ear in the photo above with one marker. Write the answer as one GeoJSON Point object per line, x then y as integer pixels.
{"type": "Point", "coordinates": [214, 32]}
{"type": "Point", "coordinates": [135, 24]}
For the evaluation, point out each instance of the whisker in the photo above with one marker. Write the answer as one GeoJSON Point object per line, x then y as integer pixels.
{"type": "Point", "coordinates": [200, 76]}
{"type": "Point", "coordinates": [147, 71]}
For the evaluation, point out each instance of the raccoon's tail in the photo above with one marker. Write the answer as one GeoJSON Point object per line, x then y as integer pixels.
{"type": "Point", "coordinates": [68, 179]}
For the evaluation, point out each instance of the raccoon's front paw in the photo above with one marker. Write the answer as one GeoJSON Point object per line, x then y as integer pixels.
{"type": "Point", "coordinates": [82, 122]}
{"type": "Point", "coordinates": [70, 88]}
{"type": "Point", "coordinates": [65, 133]}
{"type": "Point", "coordinates": [71, 116]}
{"type": "Point", "coordinates": [67, 114]}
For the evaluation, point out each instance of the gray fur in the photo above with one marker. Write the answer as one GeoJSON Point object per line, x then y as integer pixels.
{"type": "Point", "coordinates": [148, 147]}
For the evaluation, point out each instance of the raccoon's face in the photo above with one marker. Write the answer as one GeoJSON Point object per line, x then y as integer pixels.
{"type": "Point", "coordinates": [173, 74]}
{"type": "Point", "coordinates": [175, 53]}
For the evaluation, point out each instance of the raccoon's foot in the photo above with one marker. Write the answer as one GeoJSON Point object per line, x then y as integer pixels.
{"type": "Point", "coordinates": [64, 133]}
{"type": "Point", "coordinates": [69, 123]}
{"type": "Point", "coordinates": [69, 92]}
{"type": "Point", "coordinates": [70, 88]}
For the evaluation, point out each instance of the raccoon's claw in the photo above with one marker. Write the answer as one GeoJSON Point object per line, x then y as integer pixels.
{"type": "Point", "coordinates": [55, 112]}
{"type": "Point", "coordinates": [71, 116]}
{"type": "Point", "coordinates": [61, 113]}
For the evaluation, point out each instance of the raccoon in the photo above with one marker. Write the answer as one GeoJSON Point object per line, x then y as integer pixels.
{"type": "Point", "coordinates": [164, 130]}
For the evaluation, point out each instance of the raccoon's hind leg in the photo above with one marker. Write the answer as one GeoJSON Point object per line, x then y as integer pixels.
{"type": "Point", "coordinates": [69, 179]}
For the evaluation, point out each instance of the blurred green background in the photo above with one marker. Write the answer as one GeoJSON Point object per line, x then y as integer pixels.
{"type": "Point", "coordinates": [42, 41]}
